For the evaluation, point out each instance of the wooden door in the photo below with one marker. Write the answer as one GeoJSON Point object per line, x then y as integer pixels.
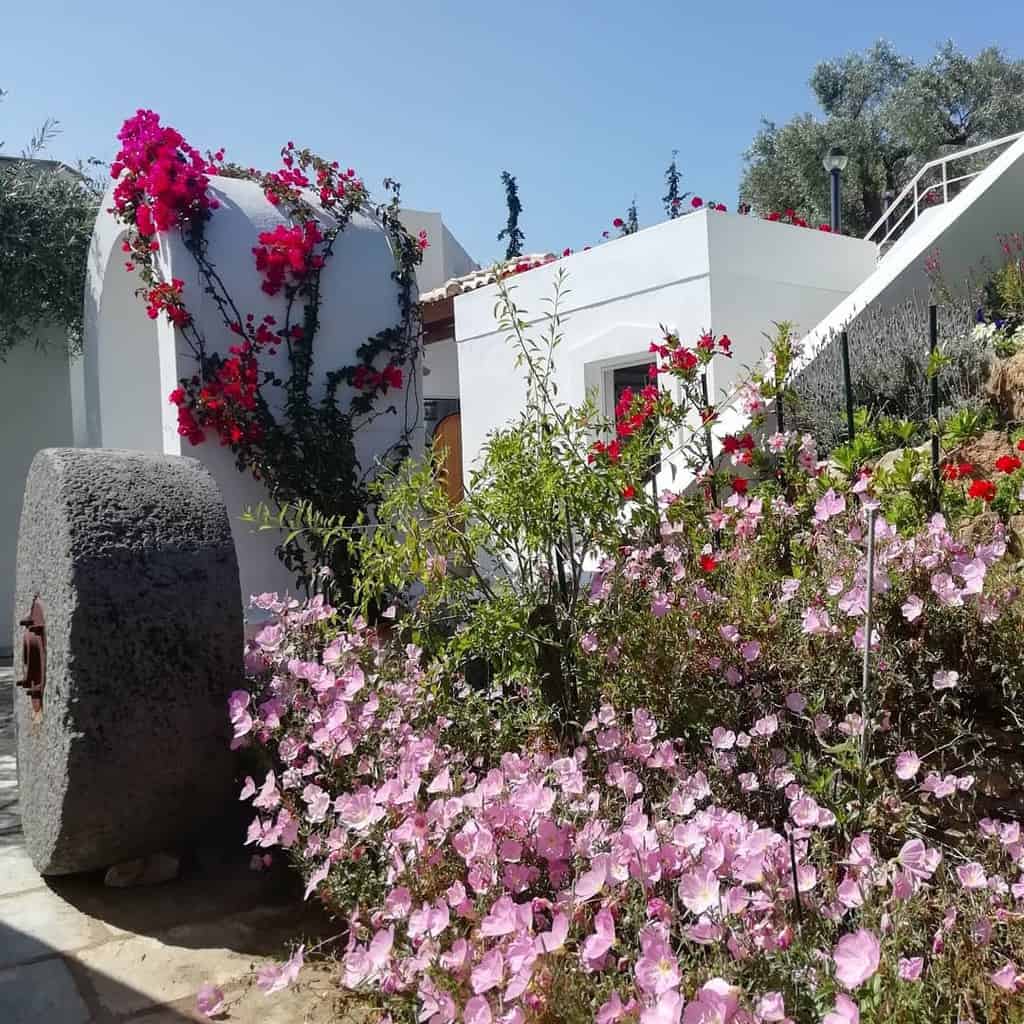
{"type": "Point", "coordinates": [448, 438]}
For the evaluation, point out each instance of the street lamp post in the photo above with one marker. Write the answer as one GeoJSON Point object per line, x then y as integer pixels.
{"type": "Point", "coordinates": [835, 162]}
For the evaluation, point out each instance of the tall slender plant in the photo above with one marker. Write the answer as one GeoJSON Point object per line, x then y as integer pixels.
{"type": "Point", "coordinates": [512, 231]}
{"type": "Point", "coordinates": [673, 198]}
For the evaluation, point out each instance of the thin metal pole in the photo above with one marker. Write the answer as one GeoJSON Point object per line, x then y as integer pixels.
{"type": "Point", "coordinates": [837, 220]}
{"type": "Point", "coordinates": [933, 412]}
{"type": "Point", "coordinates": [844, 348]}
{"type": "Point", "coordinates": [865, 678]}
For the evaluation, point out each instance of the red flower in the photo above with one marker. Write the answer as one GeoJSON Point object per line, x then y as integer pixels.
{"type": "Point", "coordinates": [720, 207]}
{"type": "Point", "coordinates": [1007, 463]}
{"type": "Point", "coordinates": [617, 223]}
{"type": "Point", "coordinates": [708, 563]}
{"type": "Point", "coordinates": [984, 489]}
{"type": "Point", "coordinates": [177, 396]}
{"type": "Point", "coordinates": [739, 484]}
{"type": "Point", "coordinates": [1020, 445]}
{"type": "Point", "coordinates": [628, 492]}
{"type": "Point", "coordinates": [696, 202]}
{"type": "Point", "coordinates": [827, 228]}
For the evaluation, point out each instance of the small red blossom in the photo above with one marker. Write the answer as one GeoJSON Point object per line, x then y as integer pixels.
{"type": "Point", "coordinates": [628, 492]}
{"type": "Point", "coordinates": [696, 202]}
{"type": "Point", "coordinates": [708, 563]}
{"type": "Point", "coordinates": [739, 484]}
{"type": "Point", "coordinates": [1007, 463]}
{"type": "Point", "coordinates": [618, 222]}
{"type": "Point", "coordinates": [983, 489]}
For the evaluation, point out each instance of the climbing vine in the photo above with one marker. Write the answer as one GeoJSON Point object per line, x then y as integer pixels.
{"type": "Point", "coordinates": [287, 430]}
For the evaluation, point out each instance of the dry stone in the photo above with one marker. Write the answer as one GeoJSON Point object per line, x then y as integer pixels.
{"type": "Point", "coordinates": [129, 557]}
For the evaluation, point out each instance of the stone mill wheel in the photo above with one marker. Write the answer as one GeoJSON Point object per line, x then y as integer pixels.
{"type": "Point", "coordinates": [130, 642]}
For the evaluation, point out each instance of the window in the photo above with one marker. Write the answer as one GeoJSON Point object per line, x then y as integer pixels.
{"type": "Point", "coordinates": [636, 378]}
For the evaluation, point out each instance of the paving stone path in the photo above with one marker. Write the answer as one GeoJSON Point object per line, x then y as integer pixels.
{"type": "Point", "coordinates": [75, 952]}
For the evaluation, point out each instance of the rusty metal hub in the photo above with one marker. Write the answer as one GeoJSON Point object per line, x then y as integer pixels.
{"type": "Point", "coordinates": [33, 651]}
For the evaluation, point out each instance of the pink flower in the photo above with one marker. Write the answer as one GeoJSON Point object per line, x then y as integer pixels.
{"type": "Point", "coordinates": [972, 876]}
{"type": "Point", "coordinates": [828, 505]}
{"type": "Point", "coordinates": [1007, 978]}
{"type": "Point", "coordinates": [597, 945]}
{"type": "Point", "coordinates": [750, 650]}
{"type": "Point", "coordinates": [665, 1011]}
{"type": "Point", "coordinates": [591, 882]}
{"type": "Point", "coordinates": [910, 968]}
{"type": "Point", "coordinates": [845, 1012]}
{"type": "Point", "coordinates": [912, 608]}
{"type": "Point", "coordinates": [274, 978]}
{"type": "Point", "coordinates": [945, 679]}
{"type": "Point", "coordinates": [657, 970]}
{"type": "Point", "coordinates": [722, 738]}
{"type": "Point", "coordinates": [210, 1001]}
{"type": "Point", "coordinates": [770, 1007]}
{"type": "Point", "coordinates": [816, 621]}
{"type": "Point", "coordinates": [908, 764]}
{"type": "Point", "coordinates": [489, 973]}
{"type": "Point", "coordinates": [856, 957]}
{"type": "Point", "coordinates": [477, 1011]}
{"type": "Point", "coordinates": [699, 890]}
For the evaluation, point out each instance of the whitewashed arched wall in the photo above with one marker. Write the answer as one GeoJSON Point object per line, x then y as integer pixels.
{"type": "Point", "coordinates": [130, 363]}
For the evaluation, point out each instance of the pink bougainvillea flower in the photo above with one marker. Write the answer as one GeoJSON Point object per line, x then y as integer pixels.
{"type": "Point", "coordinates": [910, 968]}
{"type": "Point", "coordinates": [908, 764]}
{"type": "Point", "coordinates": [856, 958]}
{"type": "Point", "coordinates": [210, 1001]}
{"type": "Point", "coordinates": [845, 1011]}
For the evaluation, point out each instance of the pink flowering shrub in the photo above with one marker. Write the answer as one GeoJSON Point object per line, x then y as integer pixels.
{"type": "Point", "coordinates": [624, 877]}
{"type": "Point", "coordinates": [667, 796]}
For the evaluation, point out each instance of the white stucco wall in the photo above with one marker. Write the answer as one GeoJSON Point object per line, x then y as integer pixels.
{"type": "Point", "coordinates": [131, 364]}
{"type": "Point", "coordinates": [444, 257]}
{"type": "Point", "coordinates": [35, 412]}
{"type": "Point", "coordinates": [441, 370]}
{"type": "Point", "coordinates": [706, 271]}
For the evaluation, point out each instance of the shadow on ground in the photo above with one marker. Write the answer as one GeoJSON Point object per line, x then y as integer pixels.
{"type": "Point", "coordinates": [45, 987]}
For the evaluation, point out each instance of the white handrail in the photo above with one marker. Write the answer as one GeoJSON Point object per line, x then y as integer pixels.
{"type": "Point", "coordinates": [913, 187]}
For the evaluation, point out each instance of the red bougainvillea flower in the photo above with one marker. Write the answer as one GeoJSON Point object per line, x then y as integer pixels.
{"type": "Point", "coordinates": [1007, 463]}
{"type": "Point", "coordinates": [983, 489]}
{"type": "Point", "coordinates": [421, 241]}
{"type": "Point", "coordinates": [696, 202]}
{"type": "Point", "coordinates": [739, 484]}
{"type": "Point", "coordinates": [827, 228]}
{"type": "Point", "coordinates": [628, 492]}
{"type": "Point", "coordinates": [708, 563]}
{"type": "Point", "coordinates": [618, 222]}
{"type": "Point", "coordinates": [720, 207]}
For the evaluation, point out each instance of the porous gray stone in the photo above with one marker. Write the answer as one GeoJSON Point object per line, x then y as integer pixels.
{"type": "Point", "coordinates": [131, 556]}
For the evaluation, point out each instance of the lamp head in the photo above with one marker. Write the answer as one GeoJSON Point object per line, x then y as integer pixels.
{"type": "Point", "coordinates": [835, 159]}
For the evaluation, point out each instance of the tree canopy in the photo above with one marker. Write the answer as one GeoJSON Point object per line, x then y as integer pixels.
{"type": "Point", "coordinates": [47, 213]}
{"type": "Point", "coordinates": [891, 115]}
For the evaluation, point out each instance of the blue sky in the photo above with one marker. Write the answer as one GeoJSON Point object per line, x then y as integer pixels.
{"type": "Point", "coordinates": [582, 102]}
